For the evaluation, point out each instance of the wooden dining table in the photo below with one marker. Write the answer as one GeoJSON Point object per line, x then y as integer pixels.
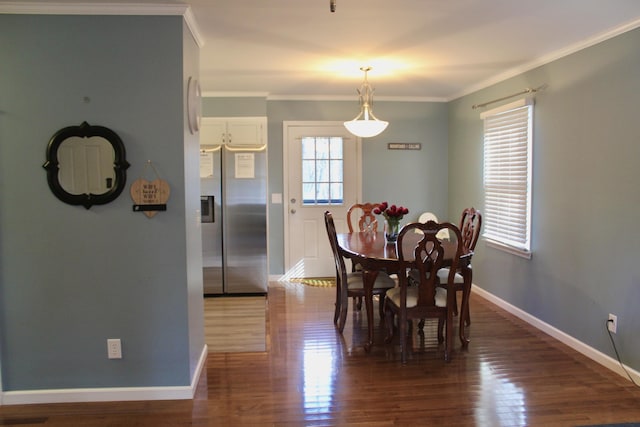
{"type": "Point", "coordinates": [374, 254]}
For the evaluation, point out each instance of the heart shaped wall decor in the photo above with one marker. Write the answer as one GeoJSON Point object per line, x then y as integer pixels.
{"type": "Point", "coordinates": [154, 192]}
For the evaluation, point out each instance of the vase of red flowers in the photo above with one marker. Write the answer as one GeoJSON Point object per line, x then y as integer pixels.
{"type": "Point", "coordinates": [392, 216]}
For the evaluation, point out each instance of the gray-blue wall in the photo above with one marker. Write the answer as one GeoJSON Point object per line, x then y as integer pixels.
{"type": "Point", "coordinates": [69, 277]}
{"type": "Point", "coordinates": [586, 195]}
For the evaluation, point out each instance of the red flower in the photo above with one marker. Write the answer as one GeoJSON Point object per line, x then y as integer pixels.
{"type": "Point", "coordinates": [393, 211]}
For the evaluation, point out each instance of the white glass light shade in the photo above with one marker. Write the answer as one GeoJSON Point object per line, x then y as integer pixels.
{"type": "Point", "coordinates": [366, 128]}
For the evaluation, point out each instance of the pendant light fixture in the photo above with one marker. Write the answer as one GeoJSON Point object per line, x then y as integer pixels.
{"type": "Point", "coordinates": [366, 125]}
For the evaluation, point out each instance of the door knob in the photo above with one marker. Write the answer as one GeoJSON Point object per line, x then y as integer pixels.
{"type": "Point", "coordinates": [293, 211]}
{"type": "Point", "coordinates": [293, 200]}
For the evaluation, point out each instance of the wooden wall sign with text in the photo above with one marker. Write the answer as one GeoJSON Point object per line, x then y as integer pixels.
{"type": "Point", "coordinates": [404, 146]}
{"type": "Point", "coordinates": [150, 197]}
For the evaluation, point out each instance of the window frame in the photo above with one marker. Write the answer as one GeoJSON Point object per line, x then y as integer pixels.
{"type": "Point", "coordinates": [511, 233]}
{"type": "Point", "coordinates": [330, 182]}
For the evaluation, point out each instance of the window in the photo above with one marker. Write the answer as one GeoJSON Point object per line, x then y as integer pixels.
{"type": "Point", "coordinates": [507, 177]}
{"type": "Point", "coordinates": [322, 171]}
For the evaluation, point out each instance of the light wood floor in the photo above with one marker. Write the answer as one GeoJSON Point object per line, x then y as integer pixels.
{"type": "Point", "coordinates": [235, 324]}
{"type": "Point", "coordinates": [310, 375]}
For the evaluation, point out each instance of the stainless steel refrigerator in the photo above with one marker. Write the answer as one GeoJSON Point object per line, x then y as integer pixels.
{"type": "Point", "coordinates": [234, 220]}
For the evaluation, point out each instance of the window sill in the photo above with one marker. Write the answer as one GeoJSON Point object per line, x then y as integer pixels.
{"type": "Point", "coordinates": [508, 249]}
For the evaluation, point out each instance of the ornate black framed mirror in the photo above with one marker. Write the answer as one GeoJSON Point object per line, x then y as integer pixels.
{"type": "Point", "coordinates": [86, 165]}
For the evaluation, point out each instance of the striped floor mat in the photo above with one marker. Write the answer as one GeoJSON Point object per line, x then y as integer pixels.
{"type": "Point", "coordinates": [323, 282]}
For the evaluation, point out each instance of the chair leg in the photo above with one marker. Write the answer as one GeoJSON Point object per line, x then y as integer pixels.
{"type": "Point", "coordinates": [343, 299]}
{"type": "Point", "coordinates": [344, 305]}
{"type": "Point", "coordinates": [455, 304]}
{"type": "Point", "coordinates": [402, 332]}
{"type": "Point", "coordinates": [448, 333]}
{"type": "Point", "coordinates": [464, 307]}
{"type": "Point", "coordinates": [336, 314]}
{"type": "Point", "coordinates": [447, 339]}
{"type": "Point", "coordinates": [388, 320]}
{"type": "Point", "coordinates": [465, 318]}
{"type": "Point", "coordinates": [409, 342]}
{"type": "Point", "coordinates": [381, 306]}
{"type": "Point", "coordinates": [466, 293]}
{"type": "Point", "coordinates": [357, 303]}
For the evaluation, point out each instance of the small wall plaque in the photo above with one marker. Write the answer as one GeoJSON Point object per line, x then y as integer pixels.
{"type": "Point", "coordinates": [404, 146]}
{"type": "Point", "coordinates": [150, 197]}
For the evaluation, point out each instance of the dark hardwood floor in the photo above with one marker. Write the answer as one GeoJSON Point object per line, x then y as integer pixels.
{"type": "Point", "coordinates": [511, 375]}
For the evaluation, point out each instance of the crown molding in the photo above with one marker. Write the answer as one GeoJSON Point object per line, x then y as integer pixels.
{"type": "Point", "coordinates": [352, 98]}
{"type": "Point", "coordinates": [62, 8]}
{"type": "Point", "coordinates": [190, 20]}
{"type": "Point", "coordinates": [217, 94]}
{"type": "Point", "coordinates": [553, 56]}
{"type": "Point", "coordinates": [310, 97]}
{"type": "Point", "coordinates": [130, 9]}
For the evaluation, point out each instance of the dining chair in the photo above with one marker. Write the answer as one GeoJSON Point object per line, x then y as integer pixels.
{"type": "Point", "coordinates": [351, 284]}
{"type": "Point", "coordinates": [366, 221]}
{"type": "Point", "coordinates": [442, 234]}
{"type": "Point", "coordinates": [425, 299]}
{"type": "Point", "coordinates": [470, 225]}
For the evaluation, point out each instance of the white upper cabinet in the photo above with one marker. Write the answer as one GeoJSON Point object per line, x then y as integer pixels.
{"type": "Point", "coordinates": [234, 131]}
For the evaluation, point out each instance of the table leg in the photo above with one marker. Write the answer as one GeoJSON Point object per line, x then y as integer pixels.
{"type": "Point", "coordinates": [368, 280]}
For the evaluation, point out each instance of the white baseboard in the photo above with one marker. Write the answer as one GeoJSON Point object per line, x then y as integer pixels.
{"type": "Point", "coordinates": [107, 394]}
{"type": "Point", "coordinates": [199, 367]}
{"type": "Point", "coordinates": [579, 346]}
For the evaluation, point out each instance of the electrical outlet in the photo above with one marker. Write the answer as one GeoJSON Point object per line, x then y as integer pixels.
{"type": "Point", "coordinates": [114, 348]}
{"type": "Point", "coordinates": [612, 323]}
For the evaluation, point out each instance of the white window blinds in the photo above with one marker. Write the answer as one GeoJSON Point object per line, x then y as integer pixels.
{"type": "Point", "coordinates": [507, 176]}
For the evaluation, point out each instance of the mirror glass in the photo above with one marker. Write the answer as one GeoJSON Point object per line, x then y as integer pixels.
{"type": "Point", "coordinates": [86, 165]}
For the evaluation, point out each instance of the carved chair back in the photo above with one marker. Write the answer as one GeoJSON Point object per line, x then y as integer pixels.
{"type": "Point", "coordinates": [366, 219]}
{"type": "Point", "coordinates": [427, 257]}
{"type": "Point", "coordinates": [470, 225]}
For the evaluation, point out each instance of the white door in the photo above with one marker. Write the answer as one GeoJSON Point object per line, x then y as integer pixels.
{"type": "Point", "coordinates": [322, 165]}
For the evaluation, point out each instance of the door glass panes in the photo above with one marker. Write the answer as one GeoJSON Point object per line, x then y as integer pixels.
{"type": "Point", "coordinates": [322, 170]}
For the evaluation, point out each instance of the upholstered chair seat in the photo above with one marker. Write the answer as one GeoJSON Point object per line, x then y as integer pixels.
{"type": "Point", "coordinates": [354, 281]}
{"type": "Point", "coordinates": [412, 296]}
{"type": "Point", "coordinates": [443, 276]}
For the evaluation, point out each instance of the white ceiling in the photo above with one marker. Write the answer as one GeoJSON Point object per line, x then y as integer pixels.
{"type": "Point", "coordinates": [419, 49]}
